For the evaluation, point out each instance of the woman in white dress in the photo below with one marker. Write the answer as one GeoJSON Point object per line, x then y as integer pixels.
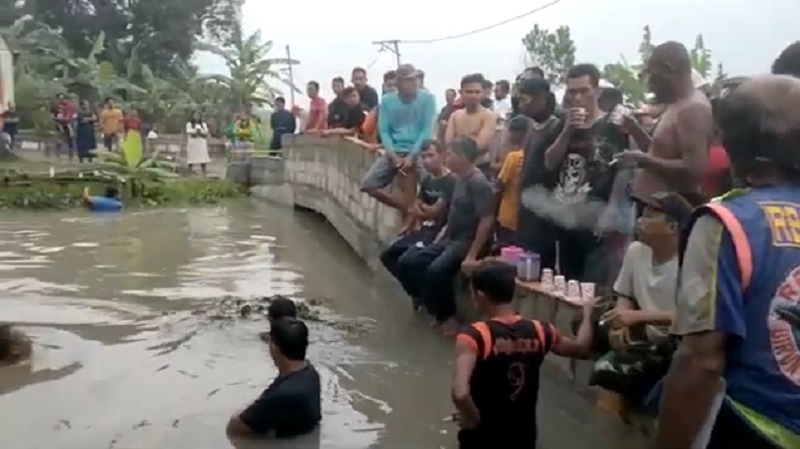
{"type": "Point", "coordinates": [197, 143]}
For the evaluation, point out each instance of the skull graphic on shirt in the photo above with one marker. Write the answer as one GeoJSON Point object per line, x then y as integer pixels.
{"type": "Point", "coordinates": [573, 186]}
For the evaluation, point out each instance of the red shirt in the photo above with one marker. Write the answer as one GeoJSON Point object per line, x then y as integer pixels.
{"type": "Point", "coordinates": [317, 114]}
{"type": "Point", "coordinates": [132, 123]}
{"type": "Point", "coordinates": [717, 170]}
{"type": "Point", "coordinates": [65, 111]}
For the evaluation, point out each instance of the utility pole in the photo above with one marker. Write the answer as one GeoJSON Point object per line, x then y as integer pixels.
{"type": "Point", "coordinates": [392, 46]}
{"type": "Point", "coordinates": [291, 75]}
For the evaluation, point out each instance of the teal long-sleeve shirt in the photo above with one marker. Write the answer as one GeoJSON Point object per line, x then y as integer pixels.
{"type": "Point", "coordinates": [404, 125]}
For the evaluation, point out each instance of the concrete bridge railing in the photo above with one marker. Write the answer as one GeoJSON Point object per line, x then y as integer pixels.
{"type": "Point", "coordinates": [324, 174]}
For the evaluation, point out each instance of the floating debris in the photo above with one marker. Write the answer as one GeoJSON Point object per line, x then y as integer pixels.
{"type": "Point", "coordinates": [232, 308]}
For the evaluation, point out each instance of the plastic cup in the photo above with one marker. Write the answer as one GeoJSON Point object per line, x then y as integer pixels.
{"type": "Point", "coordinates": [547, 277]}
{"type": "Point", "coordinates": [573, 289]}
{"type": "Point", "coordinates": [587, 291]}
{"type": "Point", "coordinates": [560, 284]}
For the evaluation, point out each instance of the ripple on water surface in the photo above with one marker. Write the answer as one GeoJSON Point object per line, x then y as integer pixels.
{"type": "Point", "coordinates": [122, 357]}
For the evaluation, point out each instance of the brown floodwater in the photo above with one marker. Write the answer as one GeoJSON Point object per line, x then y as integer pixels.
{"type": "Point", "coordinates": [127, 353]}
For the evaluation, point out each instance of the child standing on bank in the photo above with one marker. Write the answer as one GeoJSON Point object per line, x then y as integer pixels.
{"type": "Point", "coordinates": [508, 181]}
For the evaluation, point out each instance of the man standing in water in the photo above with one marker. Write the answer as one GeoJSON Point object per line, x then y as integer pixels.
{"type": "Point", "coordinates": [496, 370]}
{"type": "Point", "coordinates": [678, 153]}
{"type": "Point", "coordinates": [290, 406]}
{"type": "Point", "coordinates": [733, 278]}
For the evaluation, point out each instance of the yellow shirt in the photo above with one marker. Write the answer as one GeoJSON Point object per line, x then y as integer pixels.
{"type": "Point", "coordinates": [509, 200]}
{"type": "Point", "coordinates": [111, 121]}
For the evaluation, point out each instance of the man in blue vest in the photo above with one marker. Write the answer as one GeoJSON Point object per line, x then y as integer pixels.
{"type": "Point", "coordinates": [741, 262]}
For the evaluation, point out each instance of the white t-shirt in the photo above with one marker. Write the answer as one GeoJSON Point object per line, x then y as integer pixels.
{"type": "Point", "coordinates": [652, 287]}
{"type": "Point", "coordinates": [502, 108]}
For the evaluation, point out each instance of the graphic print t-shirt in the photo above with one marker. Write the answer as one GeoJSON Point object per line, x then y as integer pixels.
{"type": "Point", "coordinates": [586, 173]}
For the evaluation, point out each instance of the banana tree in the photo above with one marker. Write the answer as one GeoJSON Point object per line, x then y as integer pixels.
{"type": "Point", "coordinates": [133, 169]}
{"type": "Point", "coordinates": [251, 72]}
{"type": "Point", "coordinates": [160, 99]}
{"type": "Point", "coordinates": [92, 78]}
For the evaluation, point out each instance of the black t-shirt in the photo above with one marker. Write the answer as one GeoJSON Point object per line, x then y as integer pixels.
{"type": "Point", "coordinates": [505, 382]}
{"type": "Point", "coordinates": [368, 96]}
{"type": "Point", "coordinates": [531, 229]}
{"type": "Point", "coordinates": [473, 199]}
{"type": "Point", "coordinates": [353, 117]}
{"type": "Point", "coordinates": [586, 173]}
{"type": "Point", "coordinates": [337, 109]}
{"type": "Point", "coordinates": [290, 406]}
{"type": "Point", "coordinates": [433, 188]}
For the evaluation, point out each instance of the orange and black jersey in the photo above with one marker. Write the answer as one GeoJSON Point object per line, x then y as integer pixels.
{"type": "Point", "coordinates": [505, 381]}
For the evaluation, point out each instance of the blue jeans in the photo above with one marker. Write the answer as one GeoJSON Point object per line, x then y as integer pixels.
{"type": "Point", "coordinates": [432, 269]}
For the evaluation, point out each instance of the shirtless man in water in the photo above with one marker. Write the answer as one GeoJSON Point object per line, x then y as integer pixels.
{"type": "Point", "coordinates": [677, 156]}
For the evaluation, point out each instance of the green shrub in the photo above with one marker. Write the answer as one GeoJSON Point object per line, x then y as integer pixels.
{"type": "Point", "coordinates": [42, 195]}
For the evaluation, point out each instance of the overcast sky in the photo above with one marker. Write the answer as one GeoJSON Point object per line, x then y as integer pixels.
{"type": "Point", "coordinates": [330, 37]}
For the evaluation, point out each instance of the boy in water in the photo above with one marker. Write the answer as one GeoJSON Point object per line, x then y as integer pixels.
{"type": "Point", "coordinates": [496, 371]}
{"type": "Point", "coordinates": [109, 202]}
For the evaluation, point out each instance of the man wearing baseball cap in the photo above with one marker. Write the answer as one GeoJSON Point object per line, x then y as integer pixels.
{"type": "Point", "coordinates": [405, 122]}
{"type": "Point", "coordinates": [645, 286]}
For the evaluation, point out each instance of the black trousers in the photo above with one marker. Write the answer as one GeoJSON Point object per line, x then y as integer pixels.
{"type": "Point", "coordinates": [432, 269]}
{"type": "Point", "coordinates": [390, 257]}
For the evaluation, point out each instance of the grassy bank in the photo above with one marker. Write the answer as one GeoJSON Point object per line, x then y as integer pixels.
{"type": "Point", "coordinates": [57, 194]}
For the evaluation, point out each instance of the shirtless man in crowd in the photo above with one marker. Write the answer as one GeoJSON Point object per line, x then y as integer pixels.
{"type": "Point", "coordinates": [677, 156]}
{"type": "Point", "coordinates": [474, 121]}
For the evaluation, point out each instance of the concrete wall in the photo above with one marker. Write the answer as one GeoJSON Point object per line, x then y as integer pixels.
{"type": "Point", "coordinates": [324, 174]}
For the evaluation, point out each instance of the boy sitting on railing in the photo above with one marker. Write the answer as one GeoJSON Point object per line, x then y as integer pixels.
{"type": "Point", "coordinates": [428, 214]}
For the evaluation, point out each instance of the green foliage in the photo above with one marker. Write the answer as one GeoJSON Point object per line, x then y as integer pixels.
{"type": "Point", "coordinates": [553, 51]}
{"type": "Point", "coordinates": [131, 165]}
{"type": "Point", "coordinates": [628, 77]}
{"type": "Point", "coordinates": [250, 70]}
{"type": "Point", "coordinates": [701, 57]}
{"type": "Point", "coordinates": [45, 195]}
{"type": "Point", "coordinates": [165, 32]}
{"type": "Point", "coordinates": [192, 191]}
{"type": "Point", "coordinates": [50, 63]}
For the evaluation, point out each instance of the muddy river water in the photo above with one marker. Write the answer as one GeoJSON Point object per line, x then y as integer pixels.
{"type": "Point", "coordinates": [126, 355]}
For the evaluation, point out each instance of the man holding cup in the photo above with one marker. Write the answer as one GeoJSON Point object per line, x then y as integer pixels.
{"type": "Point", "coordinates": [586, 185]}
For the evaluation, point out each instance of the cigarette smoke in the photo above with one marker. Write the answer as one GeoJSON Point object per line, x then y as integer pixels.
{"type": "Point", "coordinates": [581, 216]}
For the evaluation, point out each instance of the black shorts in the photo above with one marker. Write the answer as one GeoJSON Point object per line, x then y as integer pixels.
{"type": "Point", "coordinates": [108, 140]}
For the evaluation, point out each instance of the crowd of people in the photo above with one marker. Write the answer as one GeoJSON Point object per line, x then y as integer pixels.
{"type": "Point", "coordinates": [663, 207]}
{"type": "Point", "coordinates": [684, 214]}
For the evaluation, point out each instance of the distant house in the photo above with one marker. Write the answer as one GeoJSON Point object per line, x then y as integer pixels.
{"type": "Point", "coordinates": [6, 75]}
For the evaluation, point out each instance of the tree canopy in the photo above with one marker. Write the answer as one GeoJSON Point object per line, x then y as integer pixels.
{"type": "Point", "coordinates": [554, 52]}
{"type": "Point", "coordinates": [157, 79]}
{"type": "Point", "coordinates": [164, 33]}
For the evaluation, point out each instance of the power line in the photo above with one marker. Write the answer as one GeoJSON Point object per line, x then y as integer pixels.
{"type": "Point", "coordinates": [479, 30]}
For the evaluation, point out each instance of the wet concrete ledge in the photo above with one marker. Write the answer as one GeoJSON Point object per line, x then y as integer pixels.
{"type": "Point", "coordinates": [324, 175]}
